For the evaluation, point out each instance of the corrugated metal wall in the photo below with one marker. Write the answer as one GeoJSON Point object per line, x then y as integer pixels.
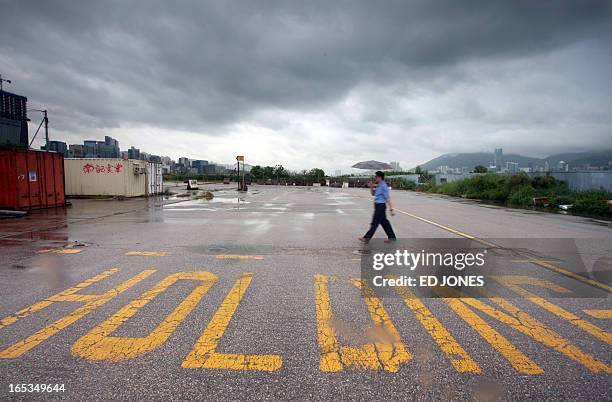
{"type": "Point", "coordinates": [99, 177]}
{"type": "Point", "coordinates": [154, 177]}
{"type": "Point", "coordinates": [31, 179]}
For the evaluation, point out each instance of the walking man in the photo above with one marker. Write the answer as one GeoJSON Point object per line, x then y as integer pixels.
{"type": "Point", "coordinates": [381, 199]}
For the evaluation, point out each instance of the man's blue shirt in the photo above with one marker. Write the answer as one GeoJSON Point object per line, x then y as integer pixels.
{"type": "Point", "coordinates": [381, 193]}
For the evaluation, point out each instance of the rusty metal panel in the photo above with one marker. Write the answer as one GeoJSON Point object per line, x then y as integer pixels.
{"type": "Point", "coordinates": [8, 181]}
{"type": "Point", "coordinates": [30, 180]}
{"type": "Point", "coordinates": [91, 177]}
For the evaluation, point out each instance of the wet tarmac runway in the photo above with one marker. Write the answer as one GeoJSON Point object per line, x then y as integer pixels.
{"type": "Point", "coordinates": [255, 296]}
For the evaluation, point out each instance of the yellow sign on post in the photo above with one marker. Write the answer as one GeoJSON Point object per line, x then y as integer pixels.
{"type": "Point", "coordinates": [240, 158]}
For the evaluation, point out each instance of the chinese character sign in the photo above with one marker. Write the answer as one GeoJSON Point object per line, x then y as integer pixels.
{"type": "Point", "coordinates": [109, 168]}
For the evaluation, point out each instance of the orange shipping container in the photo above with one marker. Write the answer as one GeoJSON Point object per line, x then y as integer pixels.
{"type": "Point", "coordinates": [31, 179]}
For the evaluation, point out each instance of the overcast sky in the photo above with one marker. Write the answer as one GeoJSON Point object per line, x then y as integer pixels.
{"type": "Point", "coordinates": [316, 84]}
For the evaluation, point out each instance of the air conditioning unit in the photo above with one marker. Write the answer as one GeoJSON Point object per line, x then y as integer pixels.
{"type": "Point", "coordinates": [138, 170]}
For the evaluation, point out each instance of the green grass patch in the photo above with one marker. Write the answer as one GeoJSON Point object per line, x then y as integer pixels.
{"type": "Point", "coordinates": [520, 190]}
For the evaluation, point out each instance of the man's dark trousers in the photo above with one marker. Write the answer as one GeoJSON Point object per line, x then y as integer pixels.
{"type": "Point", "coordinates": [380, 218]}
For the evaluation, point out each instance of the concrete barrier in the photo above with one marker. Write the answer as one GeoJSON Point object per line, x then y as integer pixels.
{"type": "Point", "coordinates": [583, 181]}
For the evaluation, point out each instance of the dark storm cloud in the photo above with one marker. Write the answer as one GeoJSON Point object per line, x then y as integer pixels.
{"type": "Point", "coordinates": [199, 65]}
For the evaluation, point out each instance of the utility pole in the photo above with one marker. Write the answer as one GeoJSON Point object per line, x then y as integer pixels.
{"type": "Point", "coordinates": [46, 119]}
{"type": "Point", "coordinates": [3, 80]}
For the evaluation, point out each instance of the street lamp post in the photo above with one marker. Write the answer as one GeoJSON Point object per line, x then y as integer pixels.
{"type": "Point", "coordinates": [241, 183]}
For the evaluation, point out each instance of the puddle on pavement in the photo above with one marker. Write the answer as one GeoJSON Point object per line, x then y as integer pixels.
{"type": "Point", "coordinates": [235, 200]}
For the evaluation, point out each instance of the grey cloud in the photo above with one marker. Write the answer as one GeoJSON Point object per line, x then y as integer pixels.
{"type": "Point", "coordinates": [202, 66]}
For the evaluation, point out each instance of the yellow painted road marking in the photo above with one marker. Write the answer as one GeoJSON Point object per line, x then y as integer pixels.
{"type": "Point", "coordinates": [149, 253]}
{"type": "Point", "coordinates": [98, 344]}
{"type": "Point", "coordinates": [513, 283]}
{"type": "Point", "coordinates": [60, 251]}
{"type": "Point", "coordinates": [573, 275]}
{"type": "Point", "coordinates": [387, 352]}
{"type": "Point", "coordinates": [62, 296]}
{"type": "Point", "coordinates": [604, 314]}
{"type": "Point", "coordinates": [20, 347]}
{"type": "Point", "coordinates": [448, 229]}
{"type": "Point", "coordinates": [540, 263]}
{"type": "Point", "coordinates": [517, 359]}
{"type": "Point", "coordinates": [524, 323]}
{"type": "Point", "coordinates": [458, 357]}
{"type": "Point", "coordinates": [239, 257]}
{"type": "Point", "coordinates": [204, 354]}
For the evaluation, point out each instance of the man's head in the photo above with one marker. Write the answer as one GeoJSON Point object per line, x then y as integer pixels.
{"type": "Point", "coordinates": [380, 176]}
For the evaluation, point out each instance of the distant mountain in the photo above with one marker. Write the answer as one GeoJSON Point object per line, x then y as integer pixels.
{"type": "Point", "coordinates": [469, 160]}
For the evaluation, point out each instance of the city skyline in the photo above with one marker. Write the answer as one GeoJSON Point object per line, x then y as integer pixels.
{"type": "Point", "coordinates": [183, 165]}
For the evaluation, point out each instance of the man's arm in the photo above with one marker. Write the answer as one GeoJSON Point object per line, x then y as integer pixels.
{"type": "Point", "coordinates": [372, 188]}
{"type": "Point", "coordinates": [390, 206]}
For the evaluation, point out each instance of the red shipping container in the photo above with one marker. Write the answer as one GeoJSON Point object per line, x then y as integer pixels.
{"type": "Point", "coordinates": [31, 179]}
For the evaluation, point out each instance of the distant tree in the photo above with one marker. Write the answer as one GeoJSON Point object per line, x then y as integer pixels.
{"type": "Point", "coordinates": [315, 174]}
{"type": "Point", "coordinates": [280, 172]}
{"type": "Point", "coordinates": [418, 170]}
{"type": "Point", "coordinates": [480, 169]}
{"type": "Point", "coordinates": [268, 172]}
{"type": "Point", "coordinates": [257, 172]}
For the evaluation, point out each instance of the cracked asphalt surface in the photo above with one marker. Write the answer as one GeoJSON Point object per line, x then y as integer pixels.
{"type": "Point", "coordinates": [253, 296]}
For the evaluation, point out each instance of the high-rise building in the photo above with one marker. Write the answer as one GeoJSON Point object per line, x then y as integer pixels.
{"type": "Point", "coordinates": [109, 148]}
{"type": "Point", "coordinates": [90, 148]}
{"type": "Point", "coordinates": [512, 167]}
{"type": "Point", "coordinates": [57, 146]}
{"type": "Point", "coordinates": [13, 120]}
{"type": "Point", "coordinates": [199, 165]}
{"type": "Point", "coordinates": [76, 151]}
{"type": "Point", "coordinates": [444, 169]}
{"type": "Point", "coordinates": [395, 166]}
{"type": "Point", "coordinates": [562, 166]}
{"type": "Point", "coordinates": [210, 169]}
{"type": "Point", "coordinates": [133, 153]}
{"type": "Point", "coordinates": [498, 158]}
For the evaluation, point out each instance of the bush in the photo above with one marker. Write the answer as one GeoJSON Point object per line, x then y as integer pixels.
{"type": "Point", "coordinates": [544, 182]}
{"type": "Point", "coordinates": [522, 195]}
{"type": "Point", "coordinates": [404, 184]}
{"type": "Point", "coordinates": [520, 189]}
{"type": "Point", "coordinates": [520, 180]}
{"type": "Point", "coordinates": [593, 203]}
{"type": "Point", "coordinates": [453, 188]}
{"type": "Point", "coordinates": [557, 200]}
